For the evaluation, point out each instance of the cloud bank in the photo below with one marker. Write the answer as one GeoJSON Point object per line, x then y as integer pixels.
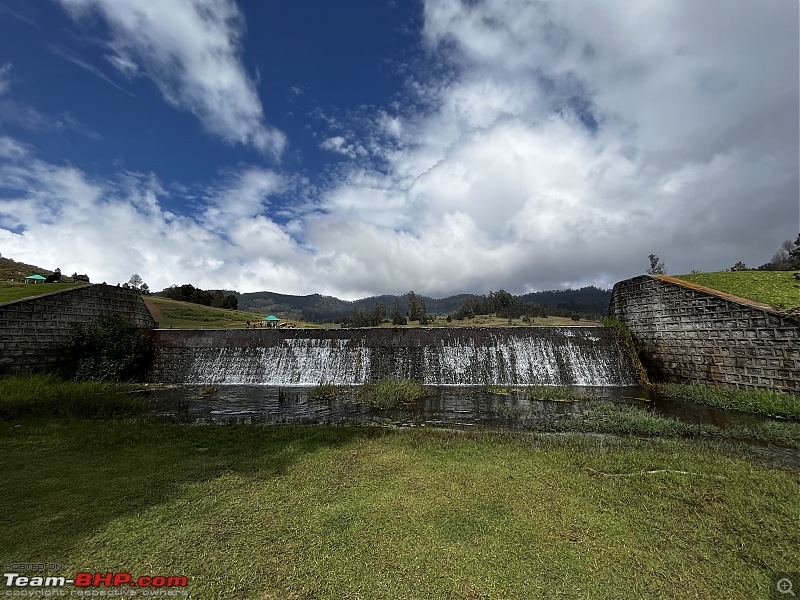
{"type": "Point", "coordinates": [548, 145]}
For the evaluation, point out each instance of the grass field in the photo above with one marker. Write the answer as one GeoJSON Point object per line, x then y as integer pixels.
{"type": "Point", "coordinates": [185, 315]}
{"type": "Point", "coordinates": [259, 512]}
{"type": "Point", "coordinates": [776, 288]}
{"type": "Point", "coordinates": [250, 511]}
{"type": "Point", "coordinates": [10, 291]}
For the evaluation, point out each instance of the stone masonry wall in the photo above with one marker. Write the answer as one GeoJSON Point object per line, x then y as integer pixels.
{"type": "Point", "coordinates": [684, 332]}
{"type": "Point", "coordinates": [33, 331]}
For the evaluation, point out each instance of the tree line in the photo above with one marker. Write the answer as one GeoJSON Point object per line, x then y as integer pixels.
{"type": "Point", "coordinates": [501, 303]}
{"type": "Point", "coordinates": [188, 293]}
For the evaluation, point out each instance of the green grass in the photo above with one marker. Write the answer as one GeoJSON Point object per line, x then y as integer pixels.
{"type": "Point", "coordinates": [765, 402]}
{"type": "Point", "coordinates": [17, 291]}
{"type": "Point", "coordinates": [390, 392]}
{"type": "Point", "coordinates": [258, 512]}
{"type": "Point", "coordinates": [776, 288]}
{"type": "Point", "coordinates": [605, 417]}
{"type": "Point", "coordinates": [552, 393]}
{"type": "Point", "coordinates": [386, 393]}
{"type": "Point", "coordinates": [47, 395]}
{"type": "Point", "coordinates": [185, 315]}
{"type": "Point", "coordinates": [328, 391]}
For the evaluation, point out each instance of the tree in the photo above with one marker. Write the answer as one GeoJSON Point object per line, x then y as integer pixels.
{"type": "Point", "coordinates": [145, 289]}
{"type": "Point", "coordinates": [785, 259]}
{"type": "Point", "coordinates": [794, 253]}
{"type": "Point", "coordinates": [413, 307]}
{"type": "Point", "coordinates": [135, 281]}
{"type": "Point", "coordinates": [230, 301]}
{"type": "Point", "coordinates": [218, 298]}
{"type": "Point", "coordinates": [739, 266]}
{"type": "Point", "coordinates": [201, 297]}
{"type": "Point", "coordinates": [378, 313]}
{"type": "Point", "coordinates": [422, 311]}
{"type": "Point", "coordinates": [657, 266]}
{"type": "Point", "coordinates": [396, 315]}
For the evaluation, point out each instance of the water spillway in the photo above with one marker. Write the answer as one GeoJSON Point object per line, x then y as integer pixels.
{"type": "Point", "coordinates": [586, 356]}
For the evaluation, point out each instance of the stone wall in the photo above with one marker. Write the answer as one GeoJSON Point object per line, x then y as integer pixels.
{"type": "Point", "coordinates": [33, 331]}
{"type": "Point", "coordinates": [685, 332]}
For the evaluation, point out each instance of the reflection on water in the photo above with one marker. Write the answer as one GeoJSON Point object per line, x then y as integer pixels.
{"type": "Point", "coordinates": [460, 407]}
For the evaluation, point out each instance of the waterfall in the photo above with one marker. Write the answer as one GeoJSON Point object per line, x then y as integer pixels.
{"type": "Point", "coordinates": [586, 356]}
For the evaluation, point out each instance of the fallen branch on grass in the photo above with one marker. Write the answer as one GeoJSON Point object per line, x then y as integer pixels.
{"type": "Point", "coordinates": [654, 471]}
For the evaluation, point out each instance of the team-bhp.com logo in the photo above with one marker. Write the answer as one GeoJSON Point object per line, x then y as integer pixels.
{"type": "Point", "coordinates": [96, 580]}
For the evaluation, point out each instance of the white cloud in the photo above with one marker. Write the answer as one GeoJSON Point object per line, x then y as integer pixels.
{"type": "Point", "coordinates": [339, 145]}
{"type": "Point", "coordinates": [191, 50]}
{"type": "Point", "coordinates": [574, 140]}
{"type": "Point", "coordinates": [243, 196]}
{"type": "Point", "coordinates": [567, 142]}
{"type": "Point", "coordinates": [110, 229]}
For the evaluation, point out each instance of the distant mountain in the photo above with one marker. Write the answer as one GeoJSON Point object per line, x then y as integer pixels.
{"type": "Point", "coordinates": [589, 302]}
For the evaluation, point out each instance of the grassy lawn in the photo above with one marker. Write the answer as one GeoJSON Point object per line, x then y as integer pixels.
{"type": "Point", "coordinates": [776, 288]}
{"type": "Point", "coordinates": [259, 512]}
{"type": "Point", "coordinates": [10, 291]}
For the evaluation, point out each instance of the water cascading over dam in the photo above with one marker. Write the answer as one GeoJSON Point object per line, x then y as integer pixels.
{"type": "Point", "coordinates": [585, 356]}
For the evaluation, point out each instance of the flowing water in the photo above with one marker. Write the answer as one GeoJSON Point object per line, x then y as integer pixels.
{"type": "Point", "coordinates": [583, 356]}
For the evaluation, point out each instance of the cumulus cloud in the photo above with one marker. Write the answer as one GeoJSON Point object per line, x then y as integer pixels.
{"type": "Point", "coordinates": [571, 140]}
{"type": "Point", "coordinates": [564, 143]}
{"type": "Point", "coordinates": [191, 50]}
{"type": "Point", "coordinates": [59, 216]}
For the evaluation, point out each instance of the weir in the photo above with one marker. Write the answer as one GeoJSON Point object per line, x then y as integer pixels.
{"type": "Point", "coordinates": [585, 356]}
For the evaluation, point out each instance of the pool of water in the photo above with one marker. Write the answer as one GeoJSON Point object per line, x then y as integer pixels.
{"type": "Point", "coordinates": [447, 406]}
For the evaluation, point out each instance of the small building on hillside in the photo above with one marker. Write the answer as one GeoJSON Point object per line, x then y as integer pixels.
{"type": "Point", "coordinates": [35, 278]}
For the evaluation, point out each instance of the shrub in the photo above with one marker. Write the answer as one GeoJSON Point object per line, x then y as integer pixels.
{"type": "Point", "coordinates": [110, 350]}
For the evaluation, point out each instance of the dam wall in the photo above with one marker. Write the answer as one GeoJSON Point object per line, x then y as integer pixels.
{"type": "Point", "coordinates": [591, 356]}
{"type": "Point", "coordinates": [686, 333]}
{"type": "Point", "coordinates": [34, 331]}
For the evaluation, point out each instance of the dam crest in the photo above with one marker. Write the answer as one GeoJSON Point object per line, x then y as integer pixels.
{"type": "Point", "coordinates": [585, 356]}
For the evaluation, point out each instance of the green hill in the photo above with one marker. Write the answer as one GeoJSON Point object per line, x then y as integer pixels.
{"type": "Point", "coordinates": [776, 288]}
{"type": "Point", "coordinates": [13, 286]}
{"type": "Point", "coordinates": [588, 301]}
{"type": "Point", "coordinates": [185, 315]}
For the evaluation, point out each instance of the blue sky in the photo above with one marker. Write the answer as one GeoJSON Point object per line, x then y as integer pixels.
{"type": "Point", "coordinates": [379, 146]}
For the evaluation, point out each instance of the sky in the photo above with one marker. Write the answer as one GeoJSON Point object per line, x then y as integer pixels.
{"type": "Point", "coordinates": [380, 146]}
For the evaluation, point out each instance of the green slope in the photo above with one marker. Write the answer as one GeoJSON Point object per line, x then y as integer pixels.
{"type": "Point", "coordinates": [776, 288]}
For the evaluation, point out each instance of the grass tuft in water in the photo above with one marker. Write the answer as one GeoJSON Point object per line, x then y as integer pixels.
{"type": "Point", "coordinates": [555, 393]}
{"type": "Point", "coordinates": [764, 402]}
{"type": "Point", "coordinates": [390, 392]}
{"type": "Point", "coordinates": [327, 392]}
